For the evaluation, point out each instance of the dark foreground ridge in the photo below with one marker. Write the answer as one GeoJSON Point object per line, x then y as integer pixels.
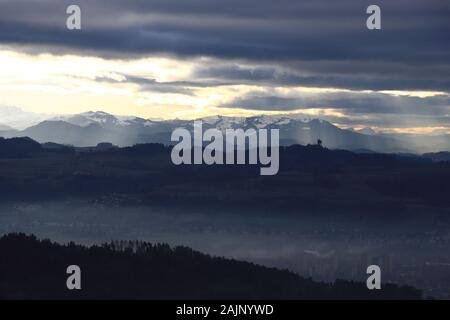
{"type": "Point", "coordinates": [36, 269]}
{"type": "Point", "coordinates": [311, 180]}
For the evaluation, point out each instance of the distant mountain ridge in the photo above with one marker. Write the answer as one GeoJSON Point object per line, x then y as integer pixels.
{"type": "Point", "coordinates": [12, 118]}
{"type": "Point", "coordinates": [93, 127]}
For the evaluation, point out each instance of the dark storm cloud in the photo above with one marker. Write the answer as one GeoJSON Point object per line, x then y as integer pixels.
{"type": "Point", "coordinates": [418, 79]}
{"type": "Point", "coordinates": [390, 121]}
{"type": "Point", "coordinates": [350, 103]}
{"type": "Point", "coordinates": [323, 43]}
{"type": "Point", "coordinates": [152, 85]}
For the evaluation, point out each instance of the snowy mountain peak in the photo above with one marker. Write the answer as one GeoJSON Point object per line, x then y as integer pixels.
{"type": "Point", "coordinates": [96, 117]}
{"type": "Point", "coordinates": [367, 131]}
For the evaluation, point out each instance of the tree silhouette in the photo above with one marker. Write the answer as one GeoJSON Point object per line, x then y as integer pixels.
{"type": "Point", "coordinates": [35, 269]}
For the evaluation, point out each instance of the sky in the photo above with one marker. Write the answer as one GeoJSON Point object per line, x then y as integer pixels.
{"type": "Point", "coordinates": [193, 58]}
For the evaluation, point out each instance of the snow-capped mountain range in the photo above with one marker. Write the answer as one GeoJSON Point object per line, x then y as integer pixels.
{"type": "Point", "coordinates": [91, 128]}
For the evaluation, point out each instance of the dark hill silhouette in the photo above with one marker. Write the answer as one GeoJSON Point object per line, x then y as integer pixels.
{"type": "Point", "coordinates": [35, 269]}
{"type": "Point", "coordinates": [18, 147]}
{"type": "Point", "coordinates": [311, 179]}
{"type": "Point", "coordinates": [438, 156]}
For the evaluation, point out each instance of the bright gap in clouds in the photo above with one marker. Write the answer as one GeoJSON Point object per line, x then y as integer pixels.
{"type": "Point", "coordinates": [153, 87]}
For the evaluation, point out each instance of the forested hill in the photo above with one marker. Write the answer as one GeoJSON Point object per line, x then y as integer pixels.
{"type": "Point", "coordinates": [311, 180]}
{"type": "Point", "coordinates": [36, 269]}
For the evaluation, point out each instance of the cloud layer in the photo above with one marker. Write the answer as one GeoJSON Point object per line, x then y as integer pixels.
{"type": "Point", "coordinates": [325, 42]}
{"type": "Point", "coordinates": [264, 43]}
